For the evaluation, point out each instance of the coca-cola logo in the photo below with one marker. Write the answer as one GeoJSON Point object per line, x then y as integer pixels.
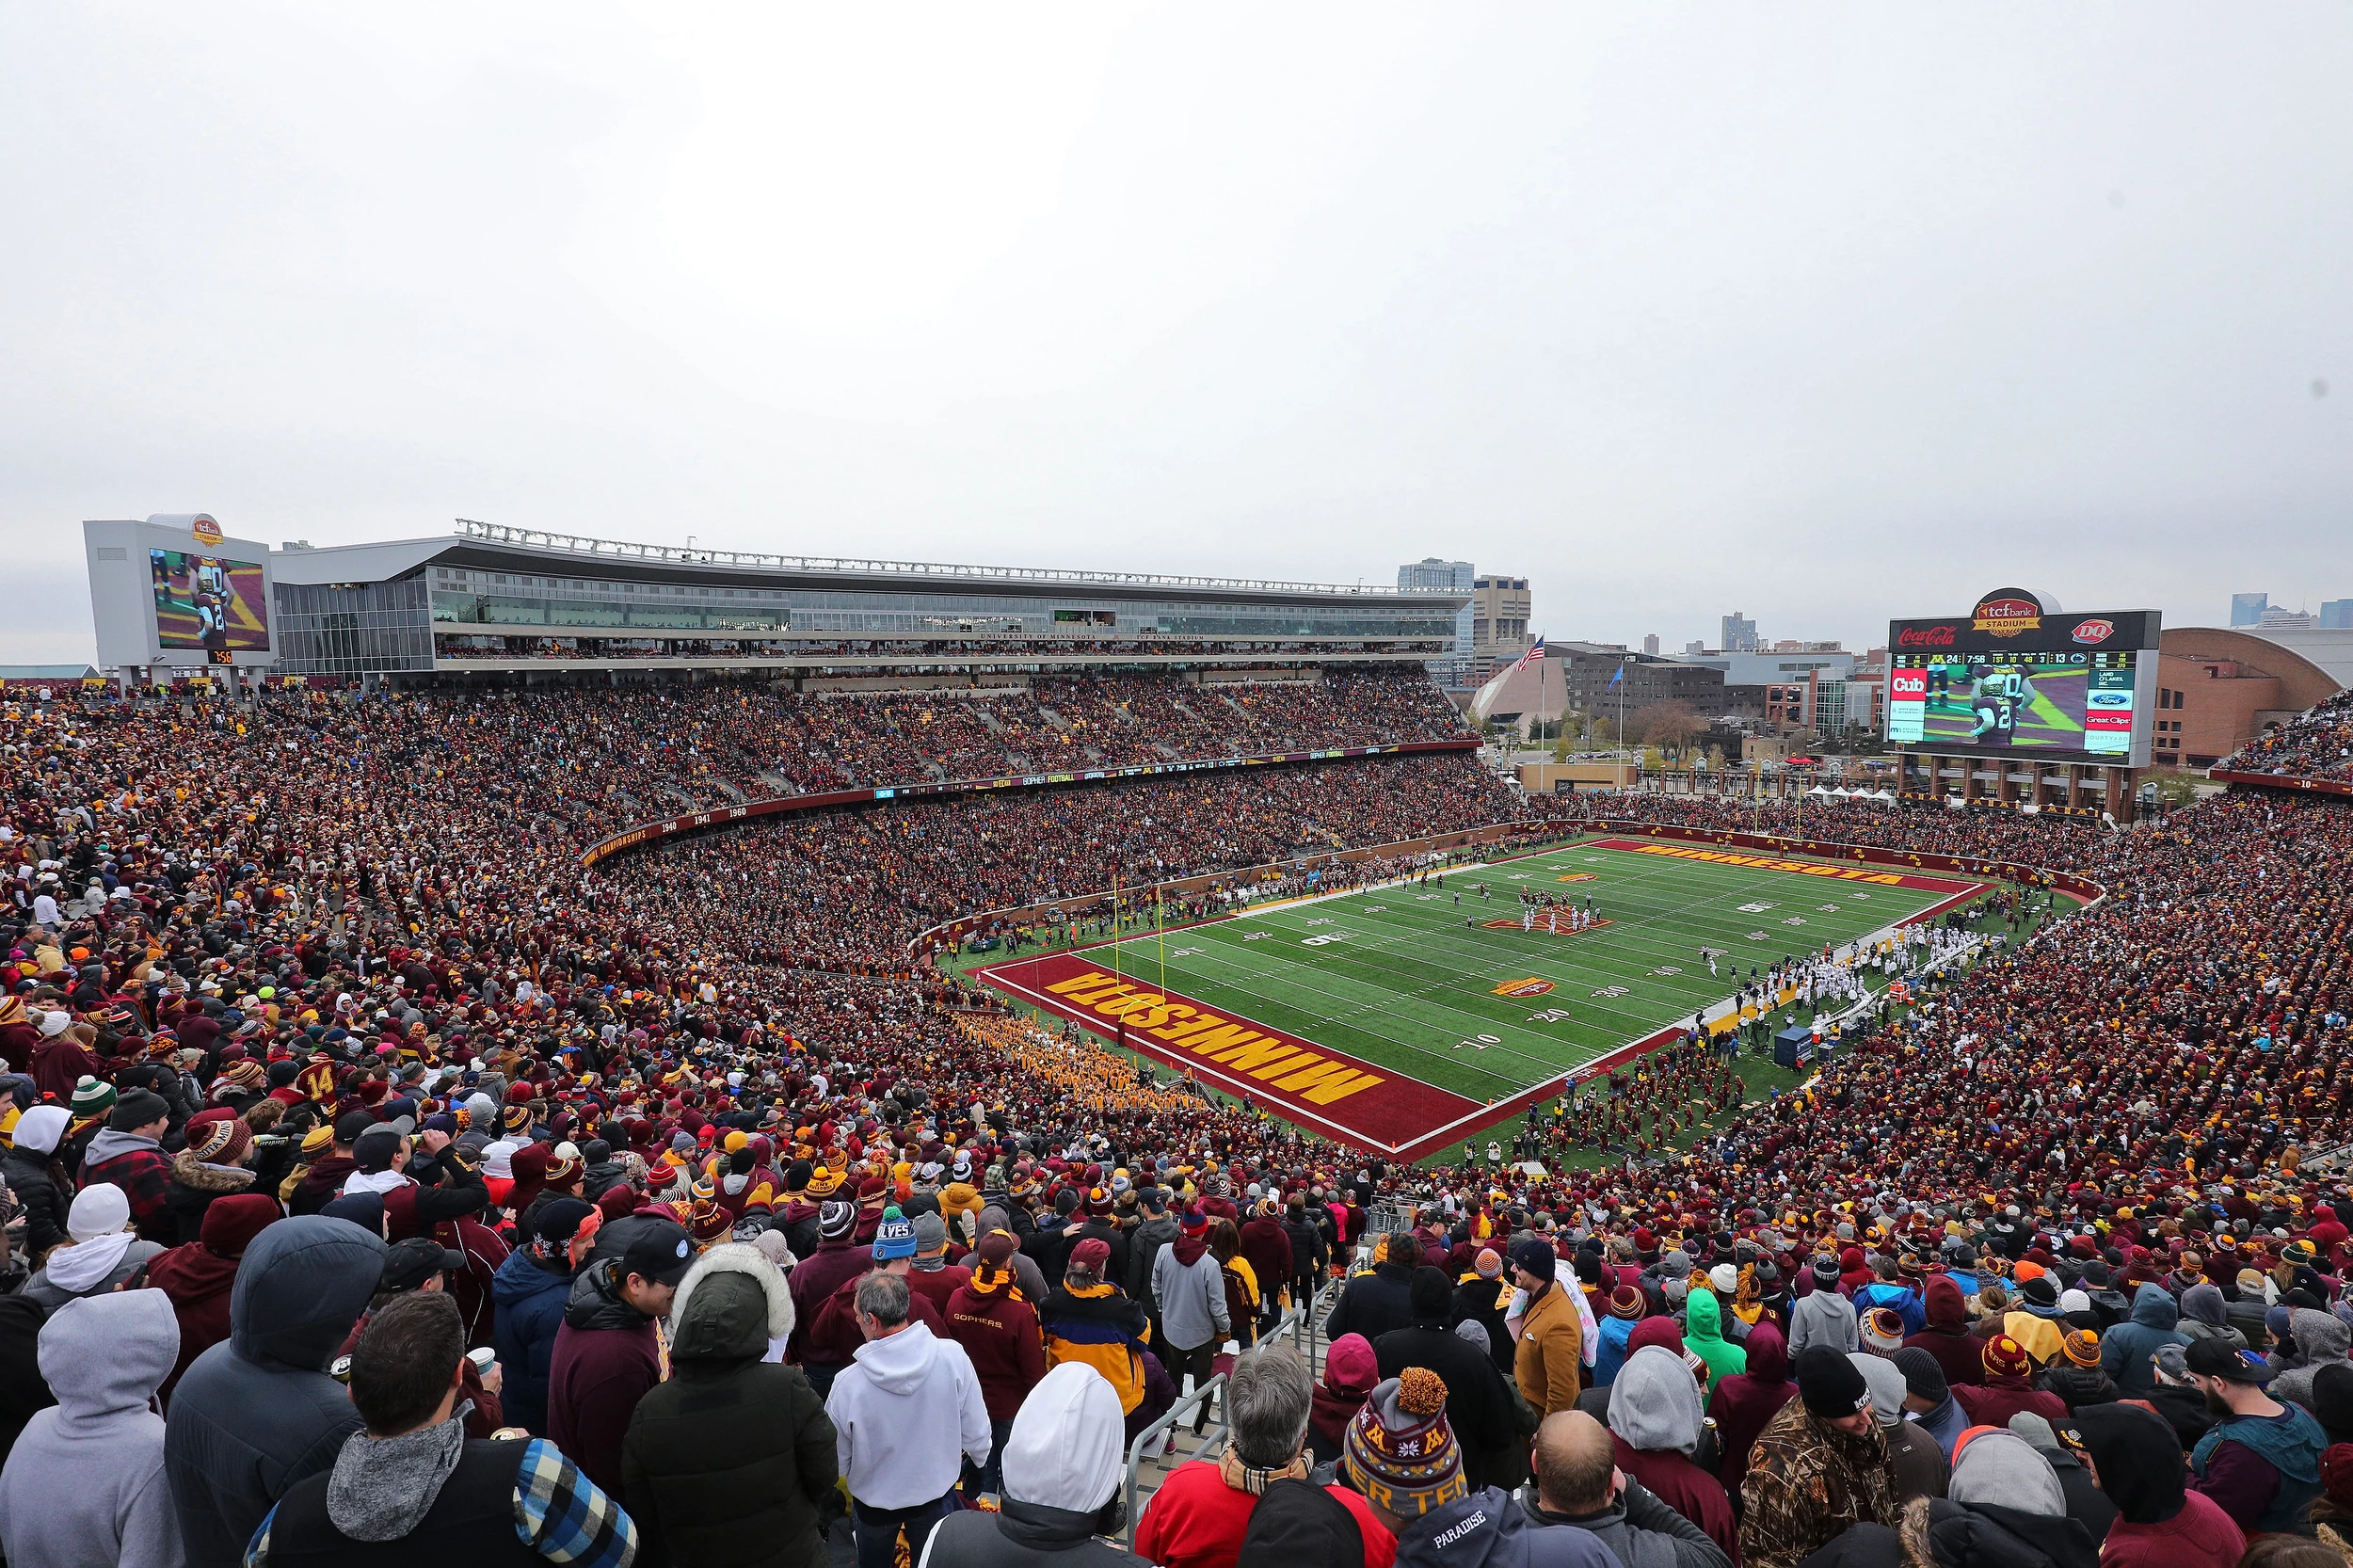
{"type": "Point", "coordinates": [2094, 631]}
{"type": "Point", "coordinates": [1925, 636]}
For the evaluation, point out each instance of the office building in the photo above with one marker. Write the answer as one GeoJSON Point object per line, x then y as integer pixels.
{"type": "Point", "coordinates": [2247, 609]}
{"type": "Point", "coordinates": [2336, 614]}
{"type": "Point", "coordinates": [1500, 615]}
{"type": "Point", "coordinates": [1457, 671]}
{"type": "Point", "coordinates": [1650, 643]}
{"type": "Point", "coordinates": [1739, 634]}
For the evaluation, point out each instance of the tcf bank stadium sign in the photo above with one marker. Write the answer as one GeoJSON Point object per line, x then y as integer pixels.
{"type": "Point", "coordinates": [647, 832]}
{"type": "Point", "coordinates": [2006, 613]}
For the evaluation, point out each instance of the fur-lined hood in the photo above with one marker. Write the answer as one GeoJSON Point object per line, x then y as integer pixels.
{"type": "Point", "coordinates": [729, 1322]}
{"type": "Point", "coordinates": [198, 1176]}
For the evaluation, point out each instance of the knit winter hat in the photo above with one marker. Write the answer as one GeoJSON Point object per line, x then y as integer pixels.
{"type": "Point", "coordinates": [1401, 1453]}
{"type": "Point", "coordinates": [1488, 1263]}
{"type": "Point", "coordinates": [930, 1236]}
{"type": "Point", "coordinates": [2005, 1357]}
{"type": "Point", "coordinates": [220, 1143]}
{"type": "Point", "coordinates": [1626, 1302]}
{"type": "Point", "coordinates": [836, 1217]}
{"type": "Point", "coordinates": [1883, 1330]}
{"type": "Point", "coordinates": [92, 1098]}
{"type": "Point", "coordinates": [1828, 1383]}
{"type": "Point", "coordinates": [2082, 1347]}
{"type": "Point", "coordinates": [893, 1237]}
{"type": "Point", "coordinates": [317, 1141]}
{"type": "Point", "coordinates": [1922, 1378]}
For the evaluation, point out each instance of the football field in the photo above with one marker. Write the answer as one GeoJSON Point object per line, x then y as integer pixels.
{"type": "Point", "coordinates": [1392, 1014]}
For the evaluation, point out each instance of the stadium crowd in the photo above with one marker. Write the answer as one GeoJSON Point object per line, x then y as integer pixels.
{"type": "Point", "coordinates": [381, 1182]}
{"type": "Point", "coordinates": [2317, 743]}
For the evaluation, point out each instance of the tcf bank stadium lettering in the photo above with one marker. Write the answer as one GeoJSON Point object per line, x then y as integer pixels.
{"type": "Point", "coordinates": [1766, 862]}
{"type": "Point", "coordinates": [1236, 1046]}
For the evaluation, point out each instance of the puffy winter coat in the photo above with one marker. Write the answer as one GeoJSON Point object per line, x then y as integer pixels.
{"type": "Point", "coordinates": [530, 1300]}
{"type": "Point", "coordinates": [256, 1414]}
{"type": "Point", "coordinates": [731, 1462]}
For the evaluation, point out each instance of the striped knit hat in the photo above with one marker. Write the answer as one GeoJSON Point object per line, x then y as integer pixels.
{"type": "Point", "coordinates": [1401, 1453]}
{"type": "Point", "coordinates": [92, 1097]}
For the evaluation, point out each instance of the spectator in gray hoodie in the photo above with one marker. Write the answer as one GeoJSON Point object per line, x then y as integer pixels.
{"type": "Point", "coordinates": [2321, 1340]}
{"type": "Point", "coordinates": [1189, 1285]}
{"type": "Point", "coordinates": [85, 1483]}
{"type": "Point", "coordinates": [1822, 1316]}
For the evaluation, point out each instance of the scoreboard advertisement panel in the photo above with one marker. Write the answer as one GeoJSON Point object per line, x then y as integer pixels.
{"type": "Point", "coordinates": [2016, 676]}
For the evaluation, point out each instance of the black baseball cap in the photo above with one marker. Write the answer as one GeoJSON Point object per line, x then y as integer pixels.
{"type": "Point", "coordinates": [408, 1264]}
{"type": "Point", "coordinates": [2217, 1358]}
{"type": "Point", "coordinates": [661, 1254]}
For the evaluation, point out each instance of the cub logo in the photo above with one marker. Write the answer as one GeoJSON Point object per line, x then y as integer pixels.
{"type": "Point", "coordinates": [1529, 987]}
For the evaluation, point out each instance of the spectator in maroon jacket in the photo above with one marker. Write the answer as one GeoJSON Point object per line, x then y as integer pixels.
{"type": "Point", "coordinates": [1947, 1337]}
{"type": "Point", "coordinates": [932, 1278]}
{"type": "Point", "coordinates": [838, 1259]}
{"type": "Point", "coordinates": [128, 1154]}
{"type": "Point", "coordinates": [607, 1353]}
{"type": "Point", "coordinates": [1000, 1332]}
{"type": "Point", "coordinates": [1267, 1246]}
{"type": "Point", "coordinates": [2006, 1391]}
{"type": "Point", "coordinates": [198, 1276]}
{"type": "Point", "coordinates": [1744, 1401]}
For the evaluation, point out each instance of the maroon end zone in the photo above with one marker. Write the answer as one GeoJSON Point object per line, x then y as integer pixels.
{"type": "Point", "coordinates": [1353, 1101]}
{"type": "Point", "coordinates": [1876, 875]}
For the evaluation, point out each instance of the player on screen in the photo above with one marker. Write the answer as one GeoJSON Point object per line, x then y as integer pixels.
{"type": "Point", "coordinates": [1995, 695]}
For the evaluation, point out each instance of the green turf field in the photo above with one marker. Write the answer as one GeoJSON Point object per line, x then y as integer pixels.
{"type": "Point", "coordinates": [1395, 977]}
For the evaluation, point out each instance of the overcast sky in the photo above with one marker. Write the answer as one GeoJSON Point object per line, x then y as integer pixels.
{"type": "Point", "coordinates": [1822, 313]}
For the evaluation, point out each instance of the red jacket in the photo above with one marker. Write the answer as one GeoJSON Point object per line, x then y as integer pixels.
{"type": "Point", "coordinates": [835, 1337]}
{"type": "Point", "coordinates": [2000, 1399]}
{"type": "Point", "coordinates": [1001, 1334]}
{"type": "Point", "coordinates": [606, 1359]}
{"type": "Point", "coordinates": [939, 1284]}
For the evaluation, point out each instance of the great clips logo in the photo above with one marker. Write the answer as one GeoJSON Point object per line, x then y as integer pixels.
{"type": "Point", "coordinates": [1925, 636]}
{"type": "Point", "coordinates": [2007, 618]}
{"type": "Point", "coordinates": [2093, 631]}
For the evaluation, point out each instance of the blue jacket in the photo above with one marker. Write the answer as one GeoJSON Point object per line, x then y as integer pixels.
{"type": "Point", "coordinates": [1609, 1349]}
{"type": "Point", "coordinates": [529, 1311]}
{"type": "Point", "coordinates": [1905, 1302]}
{"type": "Point", "coordinates": [2126, 1350]}
{"type": "Point", "coordinates": [1490, 1530]}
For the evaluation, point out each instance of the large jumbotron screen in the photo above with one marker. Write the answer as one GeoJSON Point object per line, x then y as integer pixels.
{"type": "Point", "coordinates": [2015, 676]}
{"type": "Point", "coordinates": [210, 603]}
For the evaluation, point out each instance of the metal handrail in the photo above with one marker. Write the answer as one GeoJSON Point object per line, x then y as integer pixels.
{"type": "Point", "coordinates": [1167, 1423]}
{"type": "Point", "coordinates": [1302, 1320]}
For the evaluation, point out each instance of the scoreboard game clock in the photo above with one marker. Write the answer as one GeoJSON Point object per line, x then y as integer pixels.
{"type": "Point", "coordinates": [2017, 675]}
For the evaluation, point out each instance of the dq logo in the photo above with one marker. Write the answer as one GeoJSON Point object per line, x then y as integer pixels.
{"type": "Point", "coordinates": [2094, 631]}
{"type": "Point", "coordinates": [1529, 987]}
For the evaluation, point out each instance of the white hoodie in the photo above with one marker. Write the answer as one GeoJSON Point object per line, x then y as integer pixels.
{"type": "Point", "coordinates": [903, 1411]}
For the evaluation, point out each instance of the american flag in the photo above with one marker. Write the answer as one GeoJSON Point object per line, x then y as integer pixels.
{"type": "Point", "coordinates": [1492, 689]}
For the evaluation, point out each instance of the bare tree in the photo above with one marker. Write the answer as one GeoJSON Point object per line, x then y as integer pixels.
{"type": "Point", "coordinates": [1667, 723]}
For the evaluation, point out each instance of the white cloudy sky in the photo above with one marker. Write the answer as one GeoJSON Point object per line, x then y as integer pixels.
{"type": "Point", "coordinates": [1824, 313]}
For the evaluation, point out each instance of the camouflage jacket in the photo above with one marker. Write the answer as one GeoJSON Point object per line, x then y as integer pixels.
{"type": "Point", "coordinates": [1807, 1482]}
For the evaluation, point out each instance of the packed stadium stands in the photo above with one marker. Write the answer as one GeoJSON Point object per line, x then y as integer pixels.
{"type": "Point", "coordinates": [2317, 743]}
{"type": "Point", "coordinates": [242, 936]}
